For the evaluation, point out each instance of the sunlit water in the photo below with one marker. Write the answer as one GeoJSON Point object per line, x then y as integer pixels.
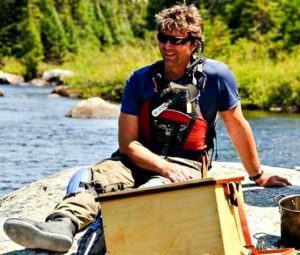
{"type": "Point", "coordinates": [37, 140]}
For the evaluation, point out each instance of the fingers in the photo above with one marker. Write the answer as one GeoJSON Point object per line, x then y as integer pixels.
{"type": "Point", "coordinates": [287, 181]}
{"type": "Point", "coordinates": [179, 176]}
{"type": "Point", "coordinates": [273, 181]}
{"type": "Point", "coordinates": [280, 181]}
{"type": "Point", "coordinates": [178, 173]}
{"type": "Point", "coordinates": [276, 183]}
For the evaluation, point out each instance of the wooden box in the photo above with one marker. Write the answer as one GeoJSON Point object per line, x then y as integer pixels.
{"type": "Point", "coordinates": [194, 217]}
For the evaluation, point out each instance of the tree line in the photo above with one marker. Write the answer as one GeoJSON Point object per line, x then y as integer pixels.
{"type": "Point", "coordinates": [49, 30]}
{"type": "Point", "coordinates": [54, 31]}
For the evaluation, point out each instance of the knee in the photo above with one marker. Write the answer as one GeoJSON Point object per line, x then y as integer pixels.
{"type": "Point", "coordinates": [78, 180]}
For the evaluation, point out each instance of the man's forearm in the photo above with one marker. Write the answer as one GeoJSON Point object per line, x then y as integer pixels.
{"type": "Point", "coordinates": [244, 144]}
{"type": "Point", "coordinates": [144, 158]}
{"type": "Point", "coordinates": [242, 138]}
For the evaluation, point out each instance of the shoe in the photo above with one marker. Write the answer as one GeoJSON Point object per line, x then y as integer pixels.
{"type": "Point", "coordinates": [54, 235]}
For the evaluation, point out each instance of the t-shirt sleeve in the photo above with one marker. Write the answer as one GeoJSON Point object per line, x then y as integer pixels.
{"type": "Point", "coordinates": [228, 92]}
{"type": "Point", "coordinates": [131, 100]}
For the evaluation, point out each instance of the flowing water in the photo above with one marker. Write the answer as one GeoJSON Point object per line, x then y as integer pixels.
{"type": "Point", "coordinates": [37, 140]}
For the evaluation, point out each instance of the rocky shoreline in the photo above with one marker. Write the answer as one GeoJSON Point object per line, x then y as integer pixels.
{"type": "Point", "coordinates": [56, 78]}
{"type": "Point", "coordinates": [37, 199]}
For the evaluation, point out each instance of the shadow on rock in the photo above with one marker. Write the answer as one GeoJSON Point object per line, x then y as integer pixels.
{"type": "Point", "coordinates": [264, 241]}
{"type": "Point", "coordinates": [32, 252]}
{"type": "Point", "coordinates": [264, 197]}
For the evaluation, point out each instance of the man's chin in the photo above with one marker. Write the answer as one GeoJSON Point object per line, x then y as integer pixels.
{"type": "Point", "coordinates": [170, 62]}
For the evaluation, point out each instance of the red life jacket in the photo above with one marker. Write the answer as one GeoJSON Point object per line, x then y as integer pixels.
{"type": "Point", "coordinates": [172, 118]}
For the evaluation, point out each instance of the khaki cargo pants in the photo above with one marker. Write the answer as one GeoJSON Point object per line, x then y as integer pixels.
{"type": "Point", "coordinates": [110, 175]}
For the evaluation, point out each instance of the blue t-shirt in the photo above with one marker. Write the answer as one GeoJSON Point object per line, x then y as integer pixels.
{"type": "Point", "coordinates": [220, 93]}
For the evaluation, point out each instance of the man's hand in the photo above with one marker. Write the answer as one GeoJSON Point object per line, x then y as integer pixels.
{"type": "Point", "coordinates": [270, 180]}
{"type": "Point", "coordinates": [176, 172]}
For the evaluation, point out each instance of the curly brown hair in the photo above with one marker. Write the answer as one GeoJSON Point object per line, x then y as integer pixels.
{"type": "Point", "coordinates": [184, 19]}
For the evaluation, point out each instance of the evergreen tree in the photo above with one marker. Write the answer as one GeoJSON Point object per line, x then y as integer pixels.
{"type": "Point", "coordinates": [53, 34]}
{"type": "Point", "coordinates": [154, 7]}
{"type": "Point", "coordinates": [111, 13]}
{"type": "Point", "coordinates": [137, 14]}
{"type": "Point", "coordinates": [32, 51]}
{"type": "Point", "coordinates": [12, 13]}
{"type": "Point", "coordinates": [63, 7]}
{"type": "Point", "coordinates": [289, 23]}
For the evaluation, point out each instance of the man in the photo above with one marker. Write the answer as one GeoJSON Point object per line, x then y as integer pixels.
{"type": "Point", "coordinates": [166, 126]}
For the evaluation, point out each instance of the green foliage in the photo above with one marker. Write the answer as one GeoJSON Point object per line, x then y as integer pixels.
{"type": "Point", "coordinates": [100, 26]}
{"type": "Point", "coordinates": [52, 33]}
{"type": "Point", "coordinates": [32, 52]}
{"type": "Point", "coordinates": [136, 14]}
{"type": "Point", "coordinates": [29, 48]}
{"type": "Point", "coordinates": [13, 65]}
{"type": "Point", "coordinates": [100, 40]}
{"type": "Point", "coordinates": [289, 23]}
{"type": "Point", "coordinates": [154, 7]}
{"type": "Point", "coordinates": [264, 83]}
{"type": "Point", "coordinates": [64, 9]}
{"type": "Point", "coordinates": [12, 13]}
{"type": "Point", "coordinates": [104, 73]}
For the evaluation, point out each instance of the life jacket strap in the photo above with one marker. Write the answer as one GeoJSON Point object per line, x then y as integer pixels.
{"type": "Point", "coordinates": [167, 141]}
{"type": "Point", "coordinates": [205, 163]}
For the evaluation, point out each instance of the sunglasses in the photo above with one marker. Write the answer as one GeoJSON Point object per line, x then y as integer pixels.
{"type": "Point", "coordinates": [163, 38]}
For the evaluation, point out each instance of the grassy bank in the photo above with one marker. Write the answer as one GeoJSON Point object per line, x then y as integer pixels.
{"type": "Point", "coordinates": [263, 83]}
{"type": "Point", "coordinates": [104, 73]}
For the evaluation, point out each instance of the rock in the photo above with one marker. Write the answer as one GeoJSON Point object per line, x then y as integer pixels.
{"type": "Point", "coordinates": [39, 82]}
{"type": "Point", "coordinates": [1, 93]}
{"type": "Point", "coordinates": [288, 109]}
{"type": "Point", "coordinates": [292, 109]}
{"type": "Point", "coordinates": [65, 91]}
{"type": "Point", "coordinates": [94, 107]}
{"type": "Point", "coordinates": [7, 78]}
{"type": "Point", "coordinates": [33, 201]}
{"type": "Point", "coordinates": [276, 109]}
{"type": "Point", "coordinates": [262, 212]}
{"type": "Point", "coordinates": [37, 199]}
{"type": "Point", "coordinates": [54, 95]}
{"type": "Point", "coordinates": [56, 76]}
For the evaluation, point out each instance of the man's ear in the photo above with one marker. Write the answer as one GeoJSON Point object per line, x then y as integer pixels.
{"type": "Point", "coordinates": [194, 45]}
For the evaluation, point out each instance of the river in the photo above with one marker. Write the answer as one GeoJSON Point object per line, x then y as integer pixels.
{"type": "Point", "coordinates": [37, 140]}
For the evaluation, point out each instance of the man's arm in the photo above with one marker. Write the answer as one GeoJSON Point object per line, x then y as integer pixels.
{"type": "Point", "coordinates": [141, 156]}
{"type": "Point", "coordinates": [241, 135]}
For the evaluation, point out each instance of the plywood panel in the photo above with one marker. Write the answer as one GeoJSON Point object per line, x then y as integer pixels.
{"type": "Point", "coordinates": [232, 235]}
{"type": "Point", "coordinates": [187, 218]}
{"type": "Point", "coordinates": [175, 222]}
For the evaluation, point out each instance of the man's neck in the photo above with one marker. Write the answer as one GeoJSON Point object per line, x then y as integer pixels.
{"type": "Point", "coordinates": [173, 73]}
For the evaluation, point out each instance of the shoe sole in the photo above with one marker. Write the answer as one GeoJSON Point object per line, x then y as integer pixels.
{"type": "Point", "coordinates": [29, 236]}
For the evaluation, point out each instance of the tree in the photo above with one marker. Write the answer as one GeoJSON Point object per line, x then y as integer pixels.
{"type": "Point", "coordinates": [32, 51]}
{"type": "Point", "coordinates": [12, 13]}
{"type": "Point", "coordinates": [53, 35]}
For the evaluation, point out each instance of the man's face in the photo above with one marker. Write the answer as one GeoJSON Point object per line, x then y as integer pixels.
{"type": "Point", "coordinates": [175, 52]}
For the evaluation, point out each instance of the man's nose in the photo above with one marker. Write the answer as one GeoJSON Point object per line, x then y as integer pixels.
{"type": "Point", "coordinates": [168, 45]}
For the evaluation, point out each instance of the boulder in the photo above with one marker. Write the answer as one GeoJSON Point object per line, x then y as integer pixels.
{"type": "Point", "coordinates": [1, 93]}
{"type": "Point", "coordinates": [288, 109]}
{"type": "Point", "coordinates": [65, 91]}
{"type": "Point", "coordinates": [36, 201]}
{"type": "Point", "coordinates": [39, 82]}
{"type": "Point", "coordinates": [56, 76]}
{"type": "Point", "coordinates": [13, 79]}
{"type": "Point", "coordinates": [95, 108]}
